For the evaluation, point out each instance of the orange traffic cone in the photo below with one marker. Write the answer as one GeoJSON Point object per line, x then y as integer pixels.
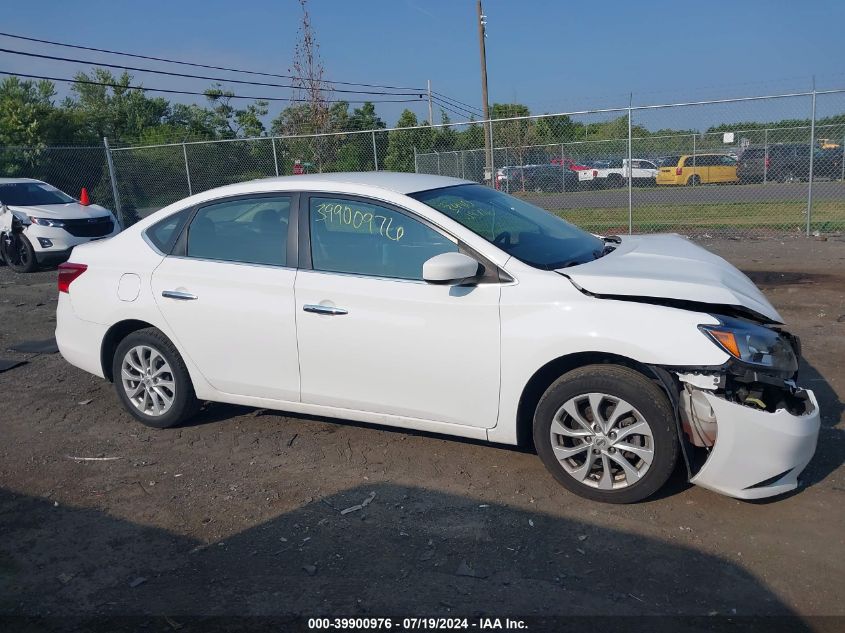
{"type": "Point", "coordinates": [83, 197]}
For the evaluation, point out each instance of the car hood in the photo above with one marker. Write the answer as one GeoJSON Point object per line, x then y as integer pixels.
{"type": "Point", "coordinates": [69, 211]}
{"type": "Point", "coordinates": [670, 267]}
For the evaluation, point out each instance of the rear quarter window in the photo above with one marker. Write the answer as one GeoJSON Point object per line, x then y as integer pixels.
{"type": "Point", "coordinates": [670, 161]}
{"type": "Point", "coordinates": [163, 234]}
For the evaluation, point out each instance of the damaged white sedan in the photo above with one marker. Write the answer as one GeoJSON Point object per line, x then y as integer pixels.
{"type": "Point", "coordinates": [431, 303]}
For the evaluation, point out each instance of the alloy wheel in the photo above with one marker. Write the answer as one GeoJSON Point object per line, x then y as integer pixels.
{"type": "Point", "coordinates": [602, 441]}
{"type": "Point", "coordinates": [148, 380]}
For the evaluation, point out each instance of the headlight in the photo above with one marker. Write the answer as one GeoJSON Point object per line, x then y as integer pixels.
{"type": "Point", "coordinates": [753, 344]}
{"type": "Point", "coordinates": [47, 222]}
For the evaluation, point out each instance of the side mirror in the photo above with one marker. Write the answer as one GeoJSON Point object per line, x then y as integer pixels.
{"type": "Point", "coordinates": [449, 268]}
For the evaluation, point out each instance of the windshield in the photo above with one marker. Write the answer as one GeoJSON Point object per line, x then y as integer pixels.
{"type": "Point", "coordinates": [529, 233]}
{"type": "Point", "coordinates": [27, 194]}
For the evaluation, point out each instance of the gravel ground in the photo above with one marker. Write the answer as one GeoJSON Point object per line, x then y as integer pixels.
{"type": "Point", "coordinates": [240, 512]}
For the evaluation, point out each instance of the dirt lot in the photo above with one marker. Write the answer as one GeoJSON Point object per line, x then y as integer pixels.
{"type": "Point", "coordinates": [240, 512]}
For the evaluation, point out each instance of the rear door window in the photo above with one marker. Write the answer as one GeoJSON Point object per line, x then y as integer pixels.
{"type": "Point", "coordinates": [243, 230]}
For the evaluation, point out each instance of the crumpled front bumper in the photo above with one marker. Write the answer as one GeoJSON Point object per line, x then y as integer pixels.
{"type": "Point", "coordinates": [758, 454]}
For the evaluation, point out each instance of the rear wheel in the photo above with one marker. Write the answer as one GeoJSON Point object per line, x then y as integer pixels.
{"type": "Point", "coordinates": [614, 181]}
{"type": "Point", "coordinates": [694, 180]}
{"type": "Point", "coordinates": [152, 381]}
{"type": "Point", "coordinates": [19, 254]}
{"type": "Point", "coordinates": [607, 433]}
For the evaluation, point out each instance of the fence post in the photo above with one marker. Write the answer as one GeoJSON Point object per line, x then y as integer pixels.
{"type": "Point", "coordinates": [416, 167]}
{"type": "Point", "coordinates": [375, 151]}
{"type": "Point", "coordinates": [275, 159]}
{"type": "Point", "coordinates": [187, 169]}
{"type": "Point", "coordinates": [630, 172]}
{"type": "Point", "coordinates": [766, 156]}
{"type": "Point", "coordinates": [492, 157]}
{"type": "Point", "coordinates": [843, 158]}
{"type": "Point", "coordinates": [694, 170]}
{"type": "Point", "coordinates": [113, 177]}
{"type": "Point", "coordinates": [563, 164]}
{"type": "Point", "coordinates": [812, 154]}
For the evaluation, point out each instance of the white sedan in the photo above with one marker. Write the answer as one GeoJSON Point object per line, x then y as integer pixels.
{"type": "Point", "coordinates": [40, 224]}
{"type": "Point", "coordinates": [431, 303]}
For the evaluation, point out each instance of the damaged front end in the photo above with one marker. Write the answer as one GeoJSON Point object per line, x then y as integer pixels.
{"type": "Point", "coordinates": [749, 430]}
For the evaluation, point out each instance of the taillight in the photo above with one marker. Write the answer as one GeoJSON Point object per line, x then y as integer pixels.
{"type": "Point", "coordinates": [679, 171]}
{"type": "Point", "coordinates": [595, 173]}
{"type": "Point", "coordinates": [768, 162]}
{"type": "Point", "coordinates": [68, 272]}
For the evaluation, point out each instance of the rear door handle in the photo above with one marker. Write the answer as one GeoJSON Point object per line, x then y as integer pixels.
{"type": "Point", "coordinates": [178, 294]}
{"type": "Point", "coordinates": [319, 309]}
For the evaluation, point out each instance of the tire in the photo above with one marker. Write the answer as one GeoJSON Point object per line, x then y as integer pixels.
{"type": "Point", "coordinates": [22, 261]}
{"type": "Point", "coordinates": [788, 176]}
{"type": "Point", "coordinates": [614, 181]}
{"type": "Point", "coordinates": [606, 479]}
{"type": "Point", "coordinates": [162, 360]}
{"type": "Point", "coordinates": [694, 180]}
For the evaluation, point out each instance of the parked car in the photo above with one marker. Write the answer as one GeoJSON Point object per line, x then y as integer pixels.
{"type": "Point", "coordinates": [509, 176]}
{"type": "Point", "coordinates": [432, 303]}
{"type": "Point", "coordinates": [40, 225]}
{"type": "Point", "coordinates": [614, 173]}
{"type": "Point", "coordinates": [827, 143]}
{"type": "Point", "coordinates": [539, 178]}
{"type": "Point", "coordinates": [554, 178]}
{"type": "Point", "coordinates": [697, 169]}
{"type": "Point", "coordinates": [570, 163]}
{"type": "Point", "coordinates": [788, 163]}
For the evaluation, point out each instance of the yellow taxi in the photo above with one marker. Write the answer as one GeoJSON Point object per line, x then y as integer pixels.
{"type": "Point", "coordinates": [701, 169]}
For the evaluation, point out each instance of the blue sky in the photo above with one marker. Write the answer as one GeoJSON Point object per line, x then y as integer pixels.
{"type": "Point", "coordinates": [551, 55]}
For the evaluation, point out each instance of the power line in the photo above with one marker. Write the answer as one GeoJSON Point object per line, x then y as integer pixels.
{"type": "Point", "coordinates": [455, 101]}
{"type": "Point", "coordinates": [461, 112]}
{"type": "Point", "coordinates": [197, 65]}
{"type": "Point", "coordinates": [189, 76]}
{"type": "Point", "coordinates": [447, 108]}
{"type": "Point", "coordinates": [199, 94]}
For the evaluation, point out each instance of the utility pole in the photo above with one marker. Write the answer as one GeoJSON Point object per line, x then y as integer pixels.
{"type": "Point", "coordinates": [488, 127]}
{"type": "Point", "coordinates": [430, 111]}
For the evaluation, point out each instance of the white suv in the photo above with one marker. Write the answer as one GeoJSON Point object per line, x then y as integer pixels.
{"type": "Point", "coordinates": [40, 224]}
{"type": "Point", "coordinates": [432, 303]}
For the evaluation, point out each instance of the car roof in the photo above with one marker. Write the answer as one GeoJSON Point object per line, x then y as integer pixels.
{"type": "Point", "coordinates": [397, 182]}
{"type": "Point", "coordinates": [12, 181]}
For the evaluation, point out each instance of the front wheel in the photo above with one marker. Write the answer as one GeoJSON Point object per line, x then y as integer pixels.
{"type": "Point", "coordinates": [18, 253]}
{"type": "Point", "coordinates": [152, 381]}
{"type": "Point", "coordinates": [607, 433]}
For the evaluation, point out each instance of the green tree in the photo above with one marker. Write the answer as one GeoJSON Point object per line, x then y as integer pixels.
{"type": "Point", "coordinates": [231, 122]}
{"type": "Point", "coordinates": [28, 116]}
{"type": "Point", "coordinates": [400, 144]}
{"type": "Point", "coordinates": [515, 135]}
{"type": "Point", "coordinates": [445, 138]}
{"type": "Point", "coordinates": [355, 151]}
{"type": "Point", "coordinates": [115, 110]}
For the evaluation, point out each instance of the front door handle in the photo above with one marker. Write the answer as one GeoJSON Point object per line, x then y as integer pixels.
{"type": "Point", "coordinates": [319, 309]}
{"type": "Point", "coordinates": [178, 294]}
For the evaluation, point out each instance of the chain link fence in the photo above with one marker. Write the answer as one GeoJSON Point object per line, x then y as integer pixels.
{"type": "Point", "coordinates": [731, 168]}
{"type": "Point", "coordinates": [67, 168]}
